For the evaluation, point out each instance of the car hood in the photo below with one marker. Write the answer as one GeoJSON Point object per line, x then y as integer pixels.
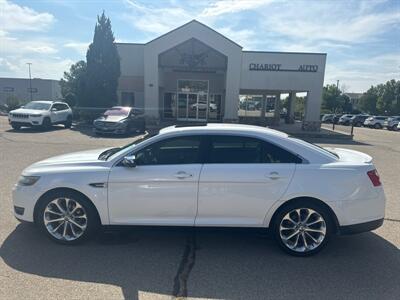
{"type": "Point", "coordinates": [26, 111]}
{"type": "Point", "coordinates": [111, 118]}
{"type": "Point", "coordinates": [75, 160]}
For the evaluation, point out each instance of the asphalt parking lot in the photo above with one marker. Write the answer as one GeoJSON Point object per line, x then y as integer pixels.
{"type": "Point", "coordinates": [167, 263]}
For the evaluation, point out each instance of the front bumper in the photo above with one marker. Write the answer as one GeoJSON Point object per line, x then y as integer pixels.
{"type": "Point", "coordinates": [361, 227]}
{"type": "Point", "coordinates": [24, 200]}
{"type": "Point", "coordinates": [28, 122]}
{"type": "Point", "coordinates": [119, 130]}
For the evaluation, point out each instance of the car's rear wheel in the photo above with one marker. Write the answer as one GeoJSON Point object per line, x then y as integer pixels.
{"type": "Point", "coordinates": [358, 124]}
{"type": "Point", "coordinates": [302, 229]}
{"type": "Point", "coordinates": [67, 217]}
{"type": "Point", "coordinates": [394, 127]}
{"type": "Point", "coordinates": [377, 126]}
{"type": "Point", "coordinates": [68, 122]}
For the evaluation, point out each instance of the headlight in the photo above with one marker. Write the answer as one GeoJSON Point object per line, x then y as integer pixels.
{"type": "Point", "coordinates": [36, 115]}
{"type": "Point", "coordinates": [27, 180]}
{"type": "Point", "coordinates": [123, 123]}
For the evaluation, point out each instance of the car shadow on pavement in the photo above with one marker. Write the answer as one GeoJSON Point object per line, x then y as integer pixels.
{"type": "Point", "coordinates": [37, 129]}
{"type": "Point", "coordinates": [210, 263]}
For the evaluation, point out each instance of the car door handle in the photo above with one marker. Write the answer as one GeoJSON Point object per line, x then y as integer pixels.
{"type": "Point", "coordinates": [274, 175]}
{"type": "Point", "coordinates": [182, 175]}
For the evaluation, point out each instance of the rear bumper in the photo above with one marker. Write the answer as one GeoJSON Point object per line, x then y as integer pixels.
{"type": "Point", "coordinates": [362, 227]}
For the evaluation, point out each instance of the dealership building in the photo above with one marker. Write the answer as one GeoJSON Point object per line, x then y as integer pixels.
{"type": "Point", "coordinates": [194, 73]}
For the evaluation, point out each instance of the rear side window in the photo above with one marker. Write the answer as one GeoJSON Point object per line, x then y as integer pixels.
{"type": "Point", "coordinates": [245, 150]}
{"type": "Point", "coordinates": [172, 151]}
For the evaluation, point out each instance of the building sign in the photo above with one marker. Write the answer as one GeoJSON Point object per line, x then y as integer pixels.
{"type": "Point", "coordinates": [278, 68]}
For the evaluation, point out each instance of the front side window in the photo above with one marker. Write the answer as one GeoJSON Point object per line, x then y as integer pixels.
{"type": "Point", "coordinates": [246, 150]}
{"type": "Point", "coordinates": [172, 151]}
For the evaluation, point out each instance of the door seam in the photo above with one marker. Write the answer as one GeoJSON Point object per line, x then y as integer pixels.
{"type": "Point", "coordinates": [197, 198]}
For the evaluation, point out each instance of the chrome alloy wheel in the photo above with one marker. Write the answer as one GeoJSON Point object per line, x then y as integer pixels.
{"type": "Point", "coordinates": [65, 219]}
{"type": "Point", "coordinates": [302, 230]}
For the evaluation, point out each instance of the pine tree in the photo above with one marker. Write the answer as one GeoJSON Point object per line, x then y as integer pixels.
{"type": "Point", "coordinates": [103, 67]}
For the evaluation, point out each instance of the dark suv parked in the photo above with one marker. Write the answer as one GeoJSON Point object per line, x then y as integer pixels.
{"type": "Point", "coordinates": [358, 120]}
{"type": "Point", "coordinates": [120, 120]}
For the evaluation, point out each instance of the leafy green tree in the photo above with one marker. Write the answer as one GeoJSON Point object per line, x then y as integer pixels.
{"type": "Point", "coordinates": [382, 99]}
{"type": "Point", "coordinates": [73, 84]}
{"type": "Point", "coordinates": [103, 67]}
{"type": "Point", "coordinates": [330, 98]}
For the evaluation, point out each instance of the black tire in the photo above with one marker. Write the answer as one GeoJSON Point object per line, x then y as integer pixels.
{"type": "Point", "coordinates": [46, 124]}
{"type": "Point", "coordinates": [142, 128]}
{"type": "Point", "coordinates": [394, 127]}
{"type": "Point", "coordinates": [358, 124]}
{"type": "Point", "coordinates": [377, 126]}
{"type": "Point", "coordinates": [303, 204]}
{"type": "Point", "coordinates": [68, 123]}
{"type": "Point", "coordinates": [92, 219]}
{"type": "Point", "coordinates": [15, 126]}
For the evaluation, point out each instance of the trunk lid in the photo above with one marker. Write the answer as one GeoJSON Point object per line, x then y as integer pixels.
{"type": "Point", "coordinates": [347, 155]}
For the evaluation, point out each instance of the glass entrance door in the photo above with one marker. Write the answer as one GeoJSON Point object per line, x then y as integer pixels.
{"type": "Point", "coordinates": [192, 107]}
{"type": "Point", "coordinates": [192, 100]}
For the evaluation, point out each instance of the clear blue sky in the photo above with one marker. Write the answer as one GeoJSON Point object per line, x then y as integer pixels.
{"type": "Point", "coordinates": [361, 38]}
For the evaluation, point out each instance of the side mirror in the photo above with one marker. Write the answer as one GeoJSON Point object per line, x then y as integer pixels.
{"type": "Point", "coordinates": [129, 161]}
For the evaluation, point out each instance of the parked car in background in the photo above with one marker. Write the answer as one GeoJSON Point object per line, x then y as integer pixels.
{"type": "Point", "coordinates": [377, 122]}
{"type": "Point", "coordinates": [120, 120]}
{"type": "Point", "coordinates": [398, 126]}
{"type": "Point", "coordinates": [392, 122]}
{"type": "Point", "coordinates": [336, 118]}
{"type": "Point", "coordinates": [41, 114]}
{"type": "Point", "coordinates": [358, 120]}
{"type": "Point", "coordinates": [327, 118]}
{"type": "Point", "coordinates": [345, 119]}
{"type": "Point", "coordinates": [224, 175]}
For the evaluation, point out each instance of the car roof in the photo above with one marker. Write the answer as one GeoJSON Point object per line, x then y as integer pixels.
{"type": "Point", "coordinates": [44, 101]}
{"type": "Point", "coordinates": [222, 128]}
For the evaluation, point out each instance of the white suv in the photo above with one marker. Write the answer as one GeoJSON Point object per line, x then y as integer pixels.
{"type": "Point", "coordinates": [392, 123]}
{"type": "Point", "coordinates": [377, 122]}
{"type": "Point", "coordinates": [41, 113]}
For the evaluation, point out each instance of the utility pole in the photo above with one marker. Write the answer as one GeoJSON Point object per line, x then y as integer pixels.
{"type": "Point", "coordinates": [337, 84]}
{"type": "Point", "coordinates": [30, 79]}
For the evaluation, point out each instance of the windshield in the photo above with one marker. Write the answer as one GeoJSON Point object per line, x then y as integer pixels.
{"type": "Point", "coordinates": [38, 106]}
{"type": "Point", "coordinates": [117, 111]}
{"type": "Point", "coordinates": [109, 152]}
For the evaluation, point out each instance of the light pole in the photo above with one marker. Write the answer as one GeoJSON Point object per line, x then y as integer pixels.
{"type": "Point", "coordinates": [30, 79]}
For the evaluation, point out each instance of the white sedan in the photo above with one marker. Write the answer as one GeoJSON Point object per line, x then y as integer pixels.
{"type": "Point", "coordinates": [211, 175]}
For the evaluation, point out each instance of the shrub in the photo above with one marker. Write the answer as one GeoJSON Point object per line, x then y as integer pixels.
{"type": "Point", "coordinates": [12, 102]}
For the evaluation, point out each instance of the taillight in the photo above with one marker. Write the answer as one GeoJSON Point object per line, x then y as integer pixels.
{"type": "Point", "coordinates": [374, 177]}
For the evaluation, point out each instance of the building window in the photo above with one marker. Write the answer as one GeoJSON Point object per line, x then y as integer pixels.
{"type": "Point", "coordinates": [32, 90]}
{"type": "Point", "coordinates": [250, 105]}
{"type": "Point", "coordinates": [192, 86]}
{"type": "Point", "coordinates": [8, 89]}
{"type": "Point", "coordinates": [169, 106]}
{"type": "Point", "coordinates": [128, 99]}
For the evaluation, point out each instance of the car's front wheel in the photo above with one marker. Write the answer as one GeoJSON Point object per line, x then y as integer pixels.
{"type": "Point", "coordinates": [67, 217]}
{"type": "Point", "coordinates": [377, 126]}
{"type": "Point", "coordinates": [15, 126]}
{"type": "Point", "coordinates": [46, 124]}
{"type": "Point", "coordinates": [302, 229]}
